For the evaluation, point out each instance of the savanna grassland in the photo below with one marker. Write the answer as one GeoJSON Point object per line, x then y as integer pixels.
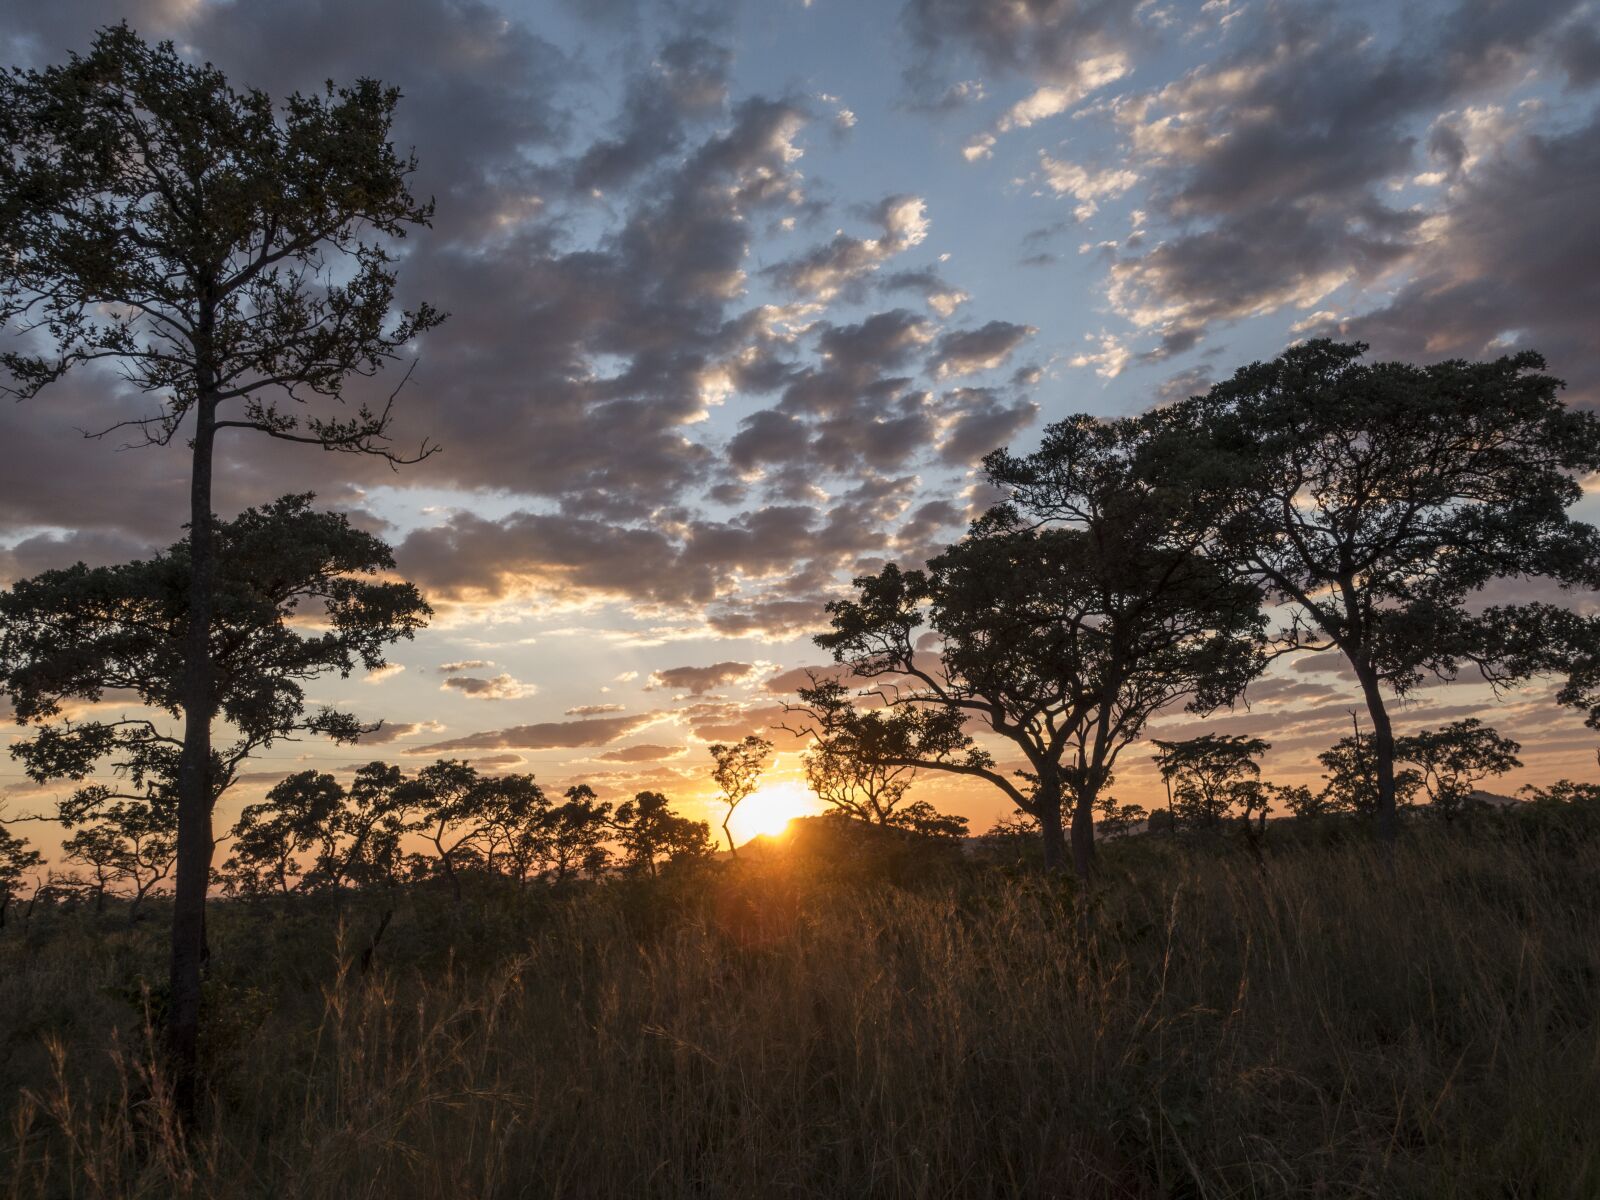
{"type": "Point", "coordinates": [828, 1020]}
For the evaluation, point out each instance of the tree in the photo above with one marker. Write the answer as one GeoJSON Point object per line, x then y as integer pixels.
{"type": "Point", "coordinates": [121, 840]}
{"type": "Point", "coordinates": [455, 810]}
{"type": "Point", "coordinates": [77, 633]}
{"type": "Point", "coordinates": [1352, 780]}
{"type": "Point", "coordinates": [857, 762]}
{"type": "Point", "coordinates": [1209, 776]}
{"type": "Point", "coordinates": [228, 258]}
{"type": "Point", "coordinates": [1302, 803]}
{"type": "Point", "coordinates": [16, 860]}
{"type": "Point", "coordinates": [577, 832]}
{"type": "Point", "coordinates": [516, 824]}
{"type": "Point", "coordinates": [648, 830]}
{"type": "Point", "coordinates": [301, 813]}
{"type": "Point", "coordinates": [1117, 819]}
{"type": "Point", "coordinates": [737, 771]}
{"type": "Point", "coordinates": [1377, 499]}
{"type": "Point", "coordinates": [1061, 622]}
{"type": "Point", "coordinates": [1455, 758]}
{"type": "Point", "coordinates": [378, 812]}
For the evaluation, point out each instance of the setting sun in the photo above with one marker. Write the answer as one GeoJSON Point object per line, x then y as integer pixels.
{"type": "Point", "coordinates": [768, 811]}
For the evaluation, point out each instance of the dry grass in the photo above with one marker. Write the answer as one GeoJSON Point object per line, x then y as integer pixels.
{"type": "Point", "coordinates": [1328, 1026]}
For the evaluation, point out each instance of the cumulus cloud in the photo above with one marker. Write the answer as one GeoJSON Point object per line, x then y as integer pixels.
{"type": "Point", "coordinates": [697, 681]}
{"type": "Point", "coordinates": [498, 687]}
{"type": "Point", "coordinates": [968, 351]}
{"type": "Point", "coordinates": [845, 261]}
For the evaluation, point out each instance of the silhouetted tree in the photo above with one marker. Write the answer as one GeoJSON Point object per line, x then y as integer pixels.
{"type": "Point", "coordinates": [1350, 769]}
{"type": "Point", "coordinates": [1061, 622]}
{"type": "Point", "coordinates": [648, 830]}
{"type": "Point", "coordinates": [516, 825]}
{"type": "Point", "coordinates": [379, 811]}
{"type": "Point", "coordinates": [121, 840]}
{"type": "Point", "coordinates": [577, 833]}
{"type": "Point", "coordinates": [305, 812]}
{"type": "Point", "coordinates": [1376, 499]}
{"type": "Point", "coordinates": [456, 807]}
{"type": "Point", "coordinates": [736, 770]}
{"type": "Point", "coordinates": [229, 259]}
{"type": "Point", "coordinates": [1453, 759]}
{"type": "Point", "coordinates": [861, 764]}
{"type": "Point", "coordinates": [1300, 801]}
{"type": "Point", "coordinates": [16, 860]}
{"type": "Point", "coordinates": [76, 633]}
{"type": "Point", "coordinates": [1211, 775]}
{"type": "Point", "coordinates": [1116, 818]}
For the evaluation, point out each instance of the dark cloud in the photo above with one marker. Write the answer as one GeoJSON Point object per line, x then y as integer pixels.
{"type": "Point", "coordinates": [697, 681]}
{"type": "Point", "coordinates": [546, 735]}
{"type": "Point", "coordinates": [1271, 161]}
{"type": "Point", "coordinates": [1050, 41]}
{"type": "Point", "coordinates": [968, 351]}
{"type": "Point", "coordinates": [980, 420]}
{"type": "Point", "coordinates": [1515, 264]}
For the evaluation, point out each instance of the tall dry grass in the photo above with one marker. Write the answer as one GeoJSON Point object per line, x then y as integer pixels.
{"type": "Point", "coordinates": [1329, 1025]}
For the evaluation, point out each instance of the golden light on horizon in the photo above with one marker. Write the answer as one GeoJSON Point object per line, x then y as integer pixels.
{"type": "Point", "coordinates": [767, 811]}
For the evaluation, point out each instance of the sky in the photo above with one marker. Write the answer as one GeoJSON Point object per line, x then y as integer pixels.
{"type": "Point", "coordinates": [740, 294]}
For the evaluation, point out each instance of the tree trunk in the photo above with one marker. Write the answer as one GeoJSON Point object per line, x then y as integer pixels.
{"type": "Point", "coordinates": [1388, 819]}
{"type": "Point", "coordinates": [732, 849]}
{"type": "Point", "coordinates": [195, 845]}
{"type": "Point", "coordinates": [1055, 843]}
{"type": "Point", "coordinates": [1083, 836]}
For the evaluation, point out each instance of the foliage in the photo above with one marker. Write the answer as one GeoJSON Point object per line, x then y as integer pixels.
{"type": "Point", "coordinates": [1377, 498]}
{"type": "Point", "coordinates": [648, 831]}
{"type": "Point", "coordinates": [1350, 772]}
{"type": "Point", "coordinates": [1210, 776]}
{"type": "Point", "coordinates": [121, 841]}
{"type": "Point", "coordinates": [17, 858]}
{"type": "Point", "coordinates": [736, 770]}
{"type": "Point", "coordinates": [79, 633]}
{"type": "Point", "coordinates": [1061, 622]}
{"type": "Point", "coordinates": [1452, 759]}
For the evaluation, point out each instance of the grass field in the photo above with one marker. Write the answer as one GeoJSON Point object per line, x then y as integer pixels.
{"type": "Point", "coordinates": [1322, 1023]}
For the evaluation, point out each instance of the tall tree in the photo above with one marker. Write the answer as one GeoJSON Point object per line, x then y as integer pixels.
{"type": "Point", "coordinates": [1061, 623]}
{"type": "Point", "coordinates": [736, 770]}
{"type": "Point", "coordinates": [1350, 774]}
{"type": "Point", "coordinates": [1377, 499]}
{"type": "Point", "coordinates": [121, 841]}
{"type": "Point", "coordinates": [228, 258]}
{"type": "Point", "coordinates": [577, 832]}
{"type": "Point", "coordinates": [456, 809]}
{"type": "Point", "coordinates": [75, 634]}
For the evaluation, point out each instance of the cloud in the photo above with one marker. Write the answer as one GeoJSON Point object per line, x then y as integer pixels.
{"type": "Point", "coordinates": [842, 263]}
{"type": "Point", "coordinates": [394, 731]}
{"type": "Point", "coordinates": [966, 352]}
{"type": "Point", "coordinates": [387, 671]}
{"type": "Point", "coordinates": [594, 710]}
{"type": "Point", "coordinates": [465, 664]}
{"type": "Point", "coordinates": [643, 753]}
{"type": "Point", "coordinates": [547, 735]}
{"type": "Point", "coordinates": [697, 681]}
{"type": "Point", "coordinates": [498, 687]}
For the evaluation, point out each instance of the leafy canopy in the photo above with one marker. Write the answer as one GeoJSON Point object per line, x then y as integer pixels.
{"type": "Point", "coordinates": [299, 594]}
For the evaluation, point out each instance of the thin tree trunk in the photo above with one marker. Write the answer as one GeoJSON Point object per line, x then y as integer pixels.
{"type": "Point", "coordinates": [1388, 820]}
{"type": "Point", "coordinates": [195, 845]}
{"type": "Point", "coordinates": [732, 849]}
